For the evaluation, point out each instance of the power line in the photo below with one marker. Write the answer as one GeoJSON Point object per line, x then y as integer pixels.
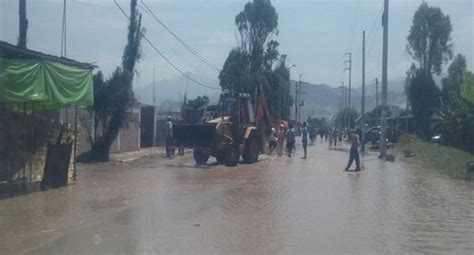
{"type": "Point", "coordinates": [375, 21]}
{"type": "Point", "coordinates": [372, 43]}
{"type": "Point", "coordinates": [142, 9]}
{"type": "Point", "coordinates": [354, 25]}
{"type": "Point", "coordinates": [185, 45]}
{"type": "Point", "coordinates": [91, 4]}
{"type": "Point", "coordinates": [165, 58]}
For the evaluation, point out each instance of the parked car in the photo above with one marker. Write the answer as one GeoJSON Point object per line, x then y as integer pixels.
{"type": "Point", "coordinates": [373, 134]}
{"type": "Point", "coordinates": [438, 139]}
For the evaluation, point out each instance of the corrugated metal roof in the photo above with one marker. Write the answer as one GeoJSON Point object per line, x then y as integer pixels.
{"type": "Point", "coordinates": [8, 50]}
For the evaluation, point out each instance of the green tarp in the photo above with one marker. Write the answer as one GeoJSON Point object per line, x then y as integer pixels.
{"type": "Point", "coordinates": [44, 83]}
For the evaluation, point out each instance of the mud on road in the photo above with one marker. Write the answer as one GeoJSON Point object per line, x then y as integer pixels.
{"type": "Point", "coordinates": [279, 205]}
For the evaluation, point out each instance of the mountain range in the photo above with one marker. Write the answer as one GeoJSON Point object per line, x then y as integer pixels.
{"type": "Point", "coordinates": [320, 100]}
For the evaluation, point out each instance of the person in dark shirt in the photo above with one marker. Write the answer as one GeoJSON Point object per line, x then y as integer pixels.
{"type": "Point", "coordinates": [290, 140]}
{"type": "Point", "coordinates": [304, 139]}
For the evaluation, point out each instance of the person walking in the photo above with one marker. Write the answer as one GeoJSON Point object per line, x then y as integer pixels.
{"type": "Point", "coordinates": [169, 137]}
{"type": "Point", "coordinates": [304, 139]}
{"type": "Point", "coordinates": [354, 152]}
{"type": "Point", "coordinates": [280, 140]}
{"type": "Point", "coordinates": [272, 141]}
{"type": "Point", "coordinates": [290, 140]}
{"type": "Point", "coordinates": [340, 136]}
{"type": "Point", "coordinates": [330, 138]}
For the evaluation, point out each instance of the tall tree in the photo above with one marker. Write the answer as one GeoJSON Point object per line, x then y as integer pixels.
{"type": "Point", "coordinates": [429, 44]}
{"type": "Point", "coordinates": [114, 97]}
{"type": "Point", "coordinates": [423, 94]}
{"type": "Point", "coordinates": [257, 60]}
{"type": "Point", "coordinates": [256, 24]}
{"type": "Point", "coordinates": [429, 40]}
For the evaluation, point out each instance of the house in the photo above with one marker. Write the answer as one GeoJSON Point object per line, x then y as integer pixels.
{"type": "Point", "coordinates": [34, 138]}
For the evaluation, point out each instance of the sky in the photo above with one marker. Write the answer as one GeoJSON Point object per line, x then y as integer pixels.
{"type": "Point", "coordinates": [315, 34]}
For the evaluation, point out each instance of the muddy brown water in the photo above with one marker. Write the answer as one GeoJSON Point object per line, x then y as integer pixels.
{"type": "Point", "coordinates": [277, 206]}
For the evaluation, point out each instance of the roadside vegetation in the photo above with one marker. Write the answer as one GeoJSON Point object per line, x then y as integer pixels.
{"type": "Point", "coordinates": [446, 160]}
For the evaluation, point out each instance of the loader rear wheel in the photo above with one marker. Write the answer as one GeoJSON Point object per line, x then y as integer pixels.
{"type": "Point", "coordinates": [232, 156]}
{"type": "Point", "coordinates": [251, 149]}
{"type": "Point", "coordinates": [220, 158]}
{"type": "Point", "coordinates": [200, 156]}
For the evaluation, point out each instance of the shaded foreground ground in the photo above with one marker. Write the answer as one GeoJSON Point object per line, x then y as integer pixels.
{"type": "Point", "coordinates": [278, 205]}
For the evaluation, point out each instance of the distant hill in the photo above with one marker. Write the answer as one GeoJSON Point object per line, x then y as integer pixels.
{"type": "Point", "coordinates": [321, 100]}
{"type": "Point", "coordinates": [170, 92]}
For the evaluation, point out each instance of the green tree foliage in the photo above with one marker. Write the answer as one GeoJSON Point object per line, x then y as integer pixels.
{"type": "Point", "coordinates": [277, 89]}
{"type": "Point", "coordinates": [422, 95]}
{"type": "Point", "coordinates": [257, 61]}
{"type": "Point", "coordinates": [467, 91]}
{"type": "Point", "coordinates": [452, 83]}
{"type": "Point", "coordinates": [198, 102]}
{"type": "Point", "coordinates": [343, 116]}
{"type": "Point", "coordinates": [256, 24]}
{"type": "Point", "coordinates": [114, 97]}
{"type": "Point", "coordinates": [457, 113]}
{"type": "Point", "coordinates": [429, 40]}
{"type": "Point", "coordinates": [235, 74]}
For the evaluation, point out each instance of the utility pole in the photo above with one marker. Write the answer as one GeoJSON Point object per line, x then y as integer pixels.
{"type": "Point", "coordinates": [349, 106]}
{"type": "Point", "coordinates": [154, 94]}
{"type": "Point", "coordinates": [377, 94]}
{"type": "Point", "coordinates": [343, 105]}
{"type": "Point", "coordinates": [155, 112]}
{"type": "Point", "coordinates": [280, 92]}
{"type": "Point", "coordinates": [362, 108]}
{"type": "Point", "coordinates": [297, 92]}
{"type": "Point", "coordinates": [64, 32]}
{"type": "Point", "coordinates": [383, 144]}
{"type": "Point", "coordinates": [23, 27]}
{"type": "Point", "coordinates": [296, 100]}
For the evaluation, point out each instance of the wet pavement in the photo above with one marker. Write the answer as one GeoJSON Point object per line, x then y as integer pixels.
{"type": "Point", "coordinates": [279, 205]}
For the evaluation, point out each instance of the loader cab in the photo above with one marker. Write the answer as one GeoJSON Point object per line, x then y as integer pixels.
{"type": "Point", "coordinates": [238, 106]}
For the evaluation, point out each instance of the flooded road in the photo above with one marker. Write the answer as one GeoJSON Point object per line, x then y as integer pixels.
{"type": "Point", "coordinates": [279, 205]}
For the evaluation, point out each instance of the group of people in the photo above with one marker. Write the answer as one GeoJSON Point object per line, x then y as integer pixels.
{"type": "Point", "coordinates": [277, 139]}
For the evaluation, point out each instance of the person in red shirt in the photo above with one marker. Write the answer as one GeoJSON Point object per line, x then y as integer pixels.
{"type": "Point", "coordinates": [354, 152]}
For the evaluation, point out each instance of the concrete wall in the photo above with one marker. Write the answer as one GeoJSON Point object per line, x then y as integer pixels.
{"type": "Point", "coordinates": [127, 140]}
